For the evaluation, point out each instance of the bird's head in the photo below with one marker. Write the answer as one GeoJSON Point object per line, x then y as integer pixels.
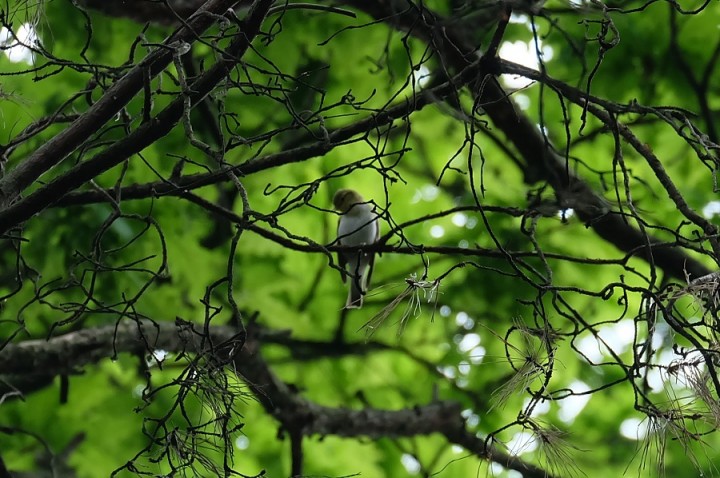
{"type": "Point", "coordinates": [344, 199]}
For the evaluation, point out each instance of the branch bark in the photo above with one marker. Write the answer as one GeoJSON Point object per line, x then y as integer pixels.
{"type": "Point", "coordinates": [541, 161]}
{"type": "Point", "coordinates": [135, 142]}
{"type": "Point", "coordinates": [71, 351]}
{"type": "Point", "coordinates": [314, 149]}
{"type": "Point", "coordinates": [112, 101]}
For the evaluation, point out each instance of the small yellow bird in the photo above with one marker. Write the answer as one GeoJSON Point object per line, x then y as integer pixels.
{"type": "Point", "coordinates": [358, 225]}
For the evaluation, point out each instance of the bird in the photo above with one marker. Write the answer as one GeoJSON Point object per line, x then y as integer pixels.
{"type": "Point", "coordinates": [358, 225]}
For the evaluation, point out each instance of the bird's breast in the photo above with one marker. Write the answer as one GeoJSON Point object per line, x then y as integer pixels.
{"type": "Point", "coordinates": [357, 230]}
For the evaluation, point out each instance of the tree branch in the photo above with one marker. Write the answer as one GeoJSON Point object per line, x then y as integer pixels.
{"type": "Point", "coordinates": [113, 100]}
{"type": "Point", "coordinates": [297, 413]}
{"type": "Point", "coordinates": [143, 136]}
{"type": "Point", "coordinates": [68, 352]}
{"type": "Point", "coordinates": [338, 137]}
{"type": "Point", "coordinates": [541, 161]}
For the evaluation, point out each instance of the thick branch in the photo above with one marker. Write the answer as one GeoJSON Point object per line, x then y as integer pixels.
{"type": "Point", "coordinates": [145, 135]}
{"type": "Point", "coordinates": [541, 161]}
{"type": "Point", "coordinates": [144, 11]}
{"type": "Point", "coordinates": [297, 413]}
{"type": "Point", "coordinates": [74, 350]}
{"type": "Point", "coordinates": [338, 137]}
{"type": "Point", "coordinates": [114, 99]}
{"type": "Point", "coordinates": [70, 352]}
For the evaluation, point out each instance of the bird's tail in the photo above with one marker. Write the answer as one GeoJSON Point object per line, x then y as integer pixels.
{"type": "Point", "coordinates": [355, 295]}
{"type": "Point", "coordinates": [357, 285]}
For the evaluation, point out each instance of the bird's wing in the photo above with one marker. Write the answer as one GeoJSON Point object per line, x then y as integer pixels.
{"type": "Point", "coordinates": [377, 229]}
{"type": "Point", "coordinates": [371, 258]}
{"type": "Point", "coordinates": [340, 257]}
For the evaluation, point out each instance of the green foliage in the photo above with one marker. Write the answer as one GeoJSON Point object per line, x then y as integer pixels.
{"type": "Point", "coordinates": [502, 332]}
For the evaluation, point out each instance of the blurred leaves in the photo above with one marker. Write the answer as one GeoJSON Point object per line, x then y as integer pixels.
{"type": "Point", "coordinates": [311, 72]}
